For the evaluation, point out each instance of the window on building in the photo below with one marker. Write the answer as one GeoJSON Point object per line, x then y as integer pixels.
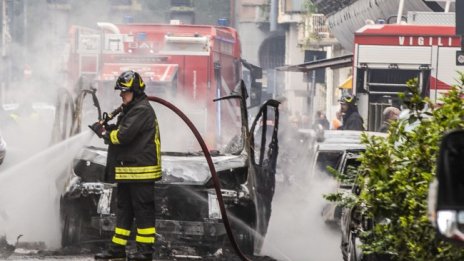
{"type": "Point", "coordinates": [181, 3]}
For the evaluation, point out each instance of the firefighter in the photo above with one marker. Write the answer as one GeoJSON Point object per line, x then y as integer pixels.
{"type": "Point", "coordinates": [352, 120]}
{"type": "Point", "coordinates": [134, 163]}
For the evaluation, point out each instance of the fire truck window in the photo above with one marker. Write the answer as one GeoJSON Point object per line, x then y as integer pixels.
{"type": "Point", "coordinates": [394, 80]}
{"type": "Point", "coordinates": [392, 76]}
{"type": "Point", "coordinates": [360, 81]}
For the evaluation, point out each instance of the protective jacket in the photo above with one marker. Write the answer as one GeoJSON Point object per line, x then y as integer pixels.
{"type": "Point", "coordinates": [352, 120]}
{"type": "Point", "coordinates": [134, 151]}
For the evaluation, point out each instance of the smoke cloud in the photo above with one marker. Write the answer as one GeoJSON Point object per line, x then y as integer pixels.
{"type": "Point", "coordinates": [297, 231]}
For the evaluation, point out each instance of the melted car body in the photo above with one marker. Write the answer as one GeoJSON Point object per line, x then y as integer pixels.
{"type": "Point", "coordinates": [187, 207]}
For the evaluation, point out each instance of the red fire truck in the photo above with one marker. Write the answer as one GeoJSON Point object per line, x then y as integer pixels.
{"type": "Point", "coordinates": [193, 63]}
{"type": "Point", "coordinates": [386, 56]}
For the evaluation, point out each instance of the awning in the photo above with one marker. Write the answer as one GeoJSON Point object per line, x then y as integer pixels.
{"type": "Point", "coordinates": [347, 84]}
{"type": "Point", "coordinates": [149, 72]}
{"type": "Point", "coordinates": [332, 63]}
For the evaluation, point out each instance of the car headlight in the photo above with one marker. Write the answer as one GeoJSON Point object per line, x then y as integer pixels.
{"type": "Point", "coordinates": [214, 212]}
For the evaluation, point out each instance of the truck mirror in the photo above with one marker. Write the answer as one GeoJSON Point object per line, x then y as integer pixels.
{"type": "Point", "coordinates": [450, 195]}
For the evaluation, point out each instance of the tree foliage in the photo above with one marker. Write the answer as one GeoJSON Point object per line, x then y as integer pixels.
{"type": "Point", "coordinates": [395, 175]}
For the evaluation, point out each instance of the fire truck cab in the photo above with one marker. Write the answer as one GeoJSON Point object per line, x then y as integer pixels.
{"type": "Point", "coordinates": [386, 56]}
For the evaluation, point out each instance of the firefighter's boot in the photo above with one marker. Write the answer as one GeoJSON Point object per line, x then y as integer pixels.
{"type": "Point", "coordinates": [113, 253]}
{"type": "Point", "coordinates": [144, 253]}
{"type": "Point", "coordinates": [137, 256]}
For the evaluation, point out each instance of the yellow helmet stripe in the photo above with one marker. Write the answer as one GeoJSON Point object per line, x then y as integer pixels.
{"type": "Point", "coordinates": [129, 84]}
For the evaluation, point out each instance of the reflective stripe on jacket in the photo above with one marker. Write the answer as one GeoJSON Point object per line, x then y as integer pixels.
{"type": "Point", "coordinates": [134, 152]}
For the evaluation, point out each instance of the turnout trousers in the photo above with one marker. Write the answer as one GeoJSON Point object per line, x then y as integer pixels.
{"type": "Point", "coordinates": [136, 200]}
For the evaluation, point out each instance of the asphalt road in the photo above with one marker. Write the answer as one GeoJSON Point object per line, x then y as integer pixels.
{"type": "Point", "coordinates": [86, 257]}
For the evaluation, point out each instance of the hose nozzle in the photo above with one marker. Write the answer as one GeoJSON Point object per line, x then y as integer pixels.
{"type": "Point", "coordinates": [109, 116]}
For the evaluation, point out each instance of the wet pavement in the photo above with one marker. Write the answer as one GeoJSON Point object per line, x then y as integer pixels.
{"type": "Point", "coordinates": [83, 254]}
{"type": "Point", "coordinates": [85, 257]}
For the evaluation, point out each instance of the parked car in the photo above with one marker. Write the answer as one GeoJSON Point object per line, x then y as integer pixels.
{"type": "Point", "coordinates": [340, 151]}
{"type": "Point", "coordinates": [187, 210]}
{"type": "Point", "coordinates": [350, 219]}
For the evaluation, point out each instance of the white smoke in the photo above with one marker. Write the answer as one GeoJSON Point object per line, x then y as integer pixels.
{"type": "Point", "coordinates": [30, 192]}
{"type": "Point", "coordinates": [297, 231]}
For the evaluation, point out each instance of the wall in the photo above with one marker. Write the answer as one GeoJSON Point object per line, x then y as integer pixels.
{"type": "Point", "coordinates": [252, 26]}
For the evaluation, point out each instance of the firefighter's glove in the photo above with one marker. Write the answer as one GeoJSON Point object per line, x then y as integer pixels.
{"type": "Point", "coordinates": [110, 127]}
{"type": "Point", "coordinates": [98, 128]}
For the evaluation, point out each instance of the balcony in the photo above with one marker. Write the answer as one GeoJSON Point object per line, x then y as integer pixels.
{"type": "Point", "coordinates": [314, 31]}
{"type": "Point", "coordinates": [328, 7]}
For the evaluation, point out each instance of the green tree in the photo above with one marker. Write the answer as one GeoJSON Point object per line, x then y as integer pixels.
{"type": "Point", "coordinates": [395, 175]}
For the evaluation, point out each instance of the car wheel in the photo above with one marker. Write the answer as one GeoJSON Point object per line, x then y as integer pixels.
{"type": "Point", "coordinates": [72, 227]}
{"type": "Point", "coordinates": [344, 248]}
{"type": "Point", "coordinates": [353, 252]}
{"type": "Point", "coordinates": [245, 240]}
{"type": "Point", "coordinates": [244, 230]}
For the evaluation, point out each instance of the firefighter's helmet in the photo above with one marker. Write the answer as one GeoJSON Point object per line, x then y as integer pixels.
{"type": "Point", "coordinates": [130, 81]}
{"type": "Point", "coordinates": [348, 99]}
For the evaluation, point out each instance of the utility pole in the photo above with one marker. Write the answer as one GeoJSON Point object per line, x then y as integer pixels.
{"type": "Point", "coordinates": [25, 36]}
{"type": "Point", "coordinates": [460, 30]}
{"type": "Point", "coordinates": [311, 92]}
{"type": "Point", "coordinates": [6, 38]}
{"type": "Point", "coordinates": [400, 12]}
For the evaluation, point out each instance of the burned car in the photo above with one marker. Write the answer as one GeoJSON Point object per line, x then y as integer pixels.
{"type": "Point", "coordinates": [187, 207]}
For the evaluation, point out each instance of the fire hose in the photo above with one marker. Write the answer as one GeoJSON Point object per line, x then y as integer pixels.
{"type": "Point", "coordinates": [216, 182]}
